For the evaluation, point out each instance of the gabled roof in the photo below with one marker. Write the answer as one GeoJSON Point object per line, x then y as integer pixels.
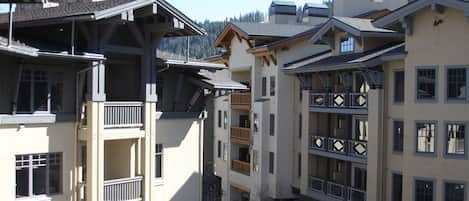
{"type": "Point", "coordinates": [256, 30]}
{"type": "Point", "coordinates": [414, 6]}
{"type": "Point", "coordinates": [327, 62]}
{"type": "Point", "coordinates": [355, 27]}
{"type": "Point", "coordinates": [97, 10]}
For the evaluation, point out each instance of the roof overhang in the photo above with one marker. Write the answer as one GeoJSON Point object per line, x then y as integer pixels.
{"type": "Point", "coordinates": [403, 12]}
{"type": "Point", "coordinates": [333, 23]}
{"type": "Point", "coordinates": [74, 57]}
{"type": "Point", "coordinates": [192, 65]}
{"type": "Point", "coordinates": [228, 33]}
{"type": "Point", "coordinates": [284, 43]}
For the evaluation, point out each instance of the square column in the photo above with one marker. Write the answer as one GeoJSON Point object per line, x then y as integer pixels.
{"type": "Point", "coordinates": [375, 171]}
{"type": "Point", "coordinates": [305, 142]}
{"type": "Point", "coordinates": [95, 152]}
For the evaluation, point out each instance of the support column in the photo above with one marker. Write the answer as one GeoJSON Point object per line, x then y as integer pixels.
{"type": "Point", "coordinates": [148, 150]}
{"type": "Point", "coordinates": [148, 68]}
{"type": "Point", "coordinates": [133, 151]}
{"type": "Point", "coordinates": [305, 142]}
{"type": "Point", "coordinates": [97, 81]}
{"type": "Point", "coordinates": [95, 152]}
{"type": "Point", "coordinates": [375, 172]}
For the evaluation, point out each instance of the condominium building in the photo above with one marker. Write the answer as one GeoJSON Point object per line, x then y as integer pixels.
{"type": "Point", "coordinates": [89, 111]}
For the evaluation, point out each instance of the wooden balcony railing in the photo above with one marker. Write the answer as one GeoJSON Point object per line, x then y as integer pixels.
{"type": "Point", "coordinates": [241, 135]}
{"type": "Point", "coordinates": [241, 101]}
{"type": "Point", "coordinates": [123, 114]}
{"type": "Point", "coordinates": [123, 189]}
{"type": "Point", "coordinates": [241, 167]}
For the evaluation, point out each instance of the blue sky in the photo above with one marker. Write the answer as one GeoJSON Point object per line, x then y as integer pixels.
{"type": "Point", "coordinates": [220, 9]}
{"type": "Point", "coordinates": [216, 10]}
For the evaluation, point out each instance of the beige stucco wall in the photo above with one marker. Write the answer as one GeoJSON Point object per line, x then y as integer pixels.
{"type": "Point", "coordinates": [182, 160]}
{"type": "Point", "coordinates": [429, 45]}
{"type": "Point", "coordinates": [32, 139]}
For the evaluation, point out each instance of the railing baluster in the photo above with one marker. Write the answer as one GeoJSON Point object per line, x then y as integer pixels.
{"type": "Point", "coordinates": [123, 115]}
{"type": "Point", "coordinates": [123, 189]}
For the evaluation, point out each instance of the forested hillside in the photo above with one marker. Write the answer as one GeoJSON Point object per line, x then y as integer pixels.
{"type": "Point", "coordinates": [201, 46]}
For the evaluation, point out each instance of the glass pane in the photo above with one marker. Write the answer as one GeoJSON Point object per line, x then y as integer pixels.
{"type": "Point", "coordinates": [398, 136]}
{"type": "Point", "coordinates": [456, 138]}
{"type": "Point", "coordinates": [24, 101]}
{"type": "Point", "coordinates": [426, 84]}
{"type": "Point", "coordinates": [362, 130]}
{"type": "Point", "coordinates": [425, 137]}
{"type": "Point", "coordinates": [54, 179]}
{"type": "Point", "coordinates": [158, 165]}
{"type": "Point", "coordinates": [22, 182]}
{"type": "Point", "coordinates": [40, 96]}
{"type": "Point", "coordinates": [39, 180]}
{"type": "Point", "coordinates": [397, 187]}
{"type": "Point", "coordinates": [347, 45]}
{"type": "Point", "coordinates": [457, 83]}
{"type": "Point", "coordinates": [454, 192]}
{"type": "Point", "coordinates": [424, 191]}
{"type": "Point", "coordinates": [399, 86]}
{"type": "Point", "coordinates": [272, 86]}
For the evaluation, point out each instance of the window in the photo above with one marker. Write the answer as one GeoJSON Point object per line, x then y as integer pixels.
{"type": "Point", "coordinates": [399, 86]}
{"type": "Point", "coordinates": [219, 149]}
{"type": "Point", "coordinates": [255, 161]}
{"type": "Point", "coordinates": [38, 174]}
{"type": "Point", "coordinates": [425, 137]}
{"type": "Point", "coordinates": [396, 187]}
{"type": "Point", "coordinates": [456, 83]}
{"type": "Point", "coordinates": [398, 136]}
{"type": "Point", "coordinates": [300, 125]}
{"type": "Point", "coordinates": [272, 86]}
{"type": "Point", "coordinates": [271, 162]}
{"type": "Point", "coordinates": [219, 118]}
{"type": "Point", "coordinates": [347, 44]}
{"type": "Point", "coordinates": [159, 161]}
{"type": "Point", "coordinates": [423, 190]}
{"type": "Point", "coordinates": [256, 122]}
{"type": "Point", "coordinates": [225, 119]}
{"type": "Point", "coordinates": [264, 86]}
{"type": "Point", "coordinates": [456, 134]}
{"type": "Point", "coordinates": [41, 91]}
{"type": "Point", "coordinates": [361, 129]}
{"type": "Point", "coordinates": [299, 165]}
{"type": "Point", "coordinates": [455, 192]}
{"type": "Point", "coordinates": [225, 151]}
{"type": "Point", "coordinates": [426, 84]}
{"type": "Point", "coordinates": [272, 125]}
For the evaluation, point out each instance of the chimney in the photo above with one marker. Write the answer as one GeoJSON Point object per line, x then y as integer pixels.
{"type": "Point", "coordinates": [315, 14]}
{"type": "Point", "coordinates": [283, 12]}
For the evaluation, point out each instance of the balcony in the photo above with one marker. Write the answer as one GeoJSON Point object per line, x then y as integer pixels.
{"type": "Point", "coordinates": [334, 191]}
{"type": "Point", "coordinates": [241, 135]}
{"type": "Point", "coordinates": [241, 101]}
{"type": "Point", "coordinates": [348, 150]}
{"type": "Point", "coordinates": [123, 115]}
{"type": "Point", "coordinates": [348, 103]}
{"type": "Point", "coordinates": [241, 167]}
{"type": "Point", "coordinates": [128, 189]}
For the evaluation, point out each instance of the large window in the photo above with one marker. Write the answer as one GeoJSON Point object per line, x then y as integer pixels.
{"type": "Point", "coordinates": [424, 190]}
{"type": "Point", "coordinates": [272, 86]}
{"type": "Point", "coordinates": [361, 129]}
{"type": "Point", "coordinates": [399, 86]}
{"type": "Point", "coordinates": [272, 125]}
{"type": "Point", "coordinates": [271, 162]}
{"type": "Point", "coordinates": [426, 84]}
{"type": "Point", "coordinates": [455, 192]}
{"type": "Point", "coordinates": [426, 137]}
{"type": "Point", "coordinates": [396, 187]}
{"type": "Point", "coordinates": [456, 133]}
{"type": "Point", "coordinates": [40, 91]}
{"type": "Point", "coordinates": [159, 161]}
{"type": "Point", "coordinates": [456, 84]}
{"type": "Point", "coordinates": [38, 174]}
{"type": "Point", "coordinates": [219, 149]}
{"type": "Point", "coordinates": [264, 86]}
{"type": "Point", "coordinates": [219, 118]}
{"type": "Point", "coordinates": [398, 136]}
{"type": "Point", "coordinates": [347, 44]}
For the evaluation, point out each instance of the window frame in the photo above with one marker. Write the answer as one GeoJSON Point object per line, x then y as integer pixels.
{"type": "Point", "coordinates": [299, 164]}
{"type": "Point", "coordinates": [219, 119]}
{"type": "Point", "coordinates": [395, 72]}
{"type": "Point", "coordinates": [392, 185]}
{"type": "Point", "coordinates": [454, 182]}
{"type": "Point", "coordinates": [271, 162]}
{"type": "Point", "coordinates": [272, 124]}
{"type": "Point", "coordinates": [272, 86]}
{"type": "Point", "coordinates": [264, 86]}
{"type": "Point", "coordinates": [161, 154]}
{"type": "Point", "coordinates": [456, 100]}
{"type": "Point", "coordinates": [426, 100]}
{"type": "Point", "coordinates": [435, 140]}
{"type": "Point", "coordinates": [31, 166]}
{"type": "Point", "coordinates": [349, 40]}
{"type": "Point", "coordinates": [225, 119]}
{"type": "Point", "coordinates": [394, 151]}
{"type": "Point", "coordinates": [426, 179]}
{"type": "Point", "coordinates": [219, 149]}
{"type": "Point", "coordinates": [466, 134]}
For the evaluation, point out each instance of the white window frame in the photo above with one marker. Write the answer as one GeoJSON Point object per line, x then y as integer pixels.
{"type": "Point", "coordinates": [161, 154]}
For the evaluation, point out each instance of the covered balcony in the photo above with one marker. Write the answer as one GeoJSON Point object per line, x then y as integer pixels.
{"type": "Point", "coordinates": [353, 102]}
{"type": "Point", "coordinates": [339, 148]}
{"type": "Point", "coordinates": [240, 135]}
{"type": "Point", "coordinates": [241, 101]}
{"type": "Point", "coordinates": [241, 159]}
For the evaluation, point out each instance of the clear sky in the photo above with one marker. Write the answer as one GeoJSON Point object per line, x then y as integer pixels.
{"type": "Point", "coordinates": [217, 10]}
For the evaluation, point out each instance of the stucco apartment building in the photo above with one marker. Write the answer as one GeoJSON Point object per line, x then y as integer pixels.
{"type": "Point", "coordinates": [90, 112]}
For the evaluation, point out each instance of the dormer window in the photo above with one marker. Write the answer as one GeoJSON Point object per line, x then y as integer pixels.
{"type": "Point", "coordinates": [347, 45]}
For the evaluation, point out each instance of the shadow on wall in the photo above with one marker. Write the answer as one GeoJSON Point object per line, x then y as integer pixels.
{"type": "Point", "coordinates": [172, 132]}
{"type": "Point", "coordinates": [190, 190]}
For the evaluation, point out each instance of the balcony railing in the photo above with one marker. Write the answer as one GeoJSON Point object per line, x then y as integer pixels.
{"type": "Point", "coordinates": [241, 167]}
{"type": "Point", "coordinates": [336, 190]}
{"type": "Point", "coordinates": [241, 135]}
{"type": "Point", "coordinates": [123, 114]}
{"type": "Point", "coordinates": [123, 189]}
{"type": "Point", "coordinates": [339, 146]}
{"type": "Point", "coordinates": [241, 100]}
{"type": "Point", "coordinates": [339, 100]}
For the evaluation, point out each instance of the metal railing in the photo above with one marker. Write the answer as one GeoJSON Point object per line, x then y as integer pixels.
{"type": "Point", "coordinates": [241, 135]}
{"type": "Point", "coordinates": [123, 189]}
{"type": "Point", "coordinates": [339, 146]}
{"type": "Point", "coordinates": [336, 190]}
{"type": "Point", "coordinates": [241, 167]}
{"type": "Point", "coordinates": [123, 114]}
{"type": "Point", "coordinates": [339, 100]}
